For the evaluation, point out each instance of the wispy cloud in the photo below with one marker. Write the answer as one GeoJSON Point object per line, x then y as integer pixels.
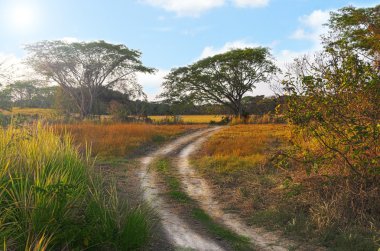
{"type": "Point", "coordinates": [238, 44]}
{"type": "Point", "coordinates": [251, 3]}
{"type": "Point", "coordinates": [186, 7]}
{"type": "Point", "coordinates": [194, 8]}
{"type": "Point", "coordinates": [312, 26]}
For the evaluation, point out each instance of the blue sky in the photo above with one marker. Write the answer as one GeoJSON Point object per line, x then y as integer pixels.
{"type": "Point", "coordinates": [171, 33]}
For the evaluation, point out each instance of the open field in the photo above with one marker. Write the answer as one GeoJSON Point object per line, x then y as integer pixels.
{"type": "Point", "coordinates": [34, 111]}
{"type": "Point", "coordinates": [50, 113]}
{"type": "Point", "coordinates": [41, 112]}
{"type": "Point", "coordinates": [241, 163]}
{"type": "Point", "coordinates": [119, 139]}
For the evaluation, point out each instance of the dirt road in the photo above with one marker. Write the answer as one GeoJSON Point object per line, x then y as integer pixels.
{"type": "Point", "coordinates": [181, 234]}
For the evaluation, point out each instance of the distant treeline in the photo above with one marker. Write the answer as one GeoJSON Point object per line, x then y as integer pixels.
{"type": "Point", "coordinates": [33, 94]}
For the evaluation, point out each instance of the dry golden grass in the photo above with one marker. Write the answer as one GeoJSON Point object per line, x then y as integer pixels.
{"type": "Point", "coordinates": [201, 119]}
{"type": "Point", "coordinates": [34, 111]}
{"type": "Point", "coordinates": [121, 139]}
{"type": "Point", "coordinates": [242, 164]}
{"type": "Point", "coordinates": [235, 159]}
{"type": "Point", "coordinates": [246, 140]}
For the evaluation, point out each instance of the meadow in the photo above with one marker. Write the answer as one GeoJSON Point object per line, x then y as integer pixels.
{"type": "Point", "coordinates": [121, 139]}
{"type": "Point", "coordinates": [245, 165]}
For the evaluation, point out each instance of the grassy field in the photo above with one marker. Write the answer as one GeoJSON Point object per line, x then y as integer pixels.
{"type": "Point", "coordinates": [51, 198]}
{"type": "Point", "coordinates": [41, 112]}
{"type": "Point", "coordinates": [242, 162]}
{"type": "Point", "coordinates": [34, 111]}
{"type": "Point", "coordinates": [51, 113]}
{"type": "Point", "coordinates": [120, 139]}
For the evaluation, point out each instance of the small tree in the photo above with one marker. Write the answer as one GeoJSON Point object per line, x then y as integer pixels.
{"type": "Point", "coordinates": [334, 100]}
{"type": "Point", "coordinates": [82, 68]}
{"type": "Point", "coordinates": [220, 79]}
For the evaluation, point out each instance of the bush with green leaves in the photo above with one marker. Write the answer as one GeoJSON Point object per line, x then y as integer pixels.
{"type": "Point", "coordinates": [334, 98]}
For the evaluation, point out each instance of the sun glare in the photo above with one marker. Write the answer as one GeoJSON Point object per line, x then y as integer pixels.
{"type": "Point", "coordinates": [22, 17]}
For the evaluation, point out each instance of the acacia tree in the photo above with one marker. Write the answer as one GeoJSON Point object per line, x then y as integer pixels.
{"type": "Point", "coordinates": [81, 68]}
{"type": "Point", "coordinates": [220, 79]}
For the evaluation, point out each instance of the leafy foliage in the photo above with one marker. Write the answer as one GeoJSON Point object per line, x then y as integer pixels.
{"type": "Point", "coordinates": [335, 99]}
{"type": "Point", "coordinates": [357, 29]}
{"type": "Point", "coordinates": [220, 79]}
{"type": "Point", "coordinates": [81, 69]}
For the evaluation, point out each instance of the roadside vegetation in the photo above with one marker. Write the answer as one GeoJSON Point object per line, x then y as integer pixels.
{"type": "Point", "coordinates": [51, 197]}
{"type": "Point", "coordinates": [246, 165]}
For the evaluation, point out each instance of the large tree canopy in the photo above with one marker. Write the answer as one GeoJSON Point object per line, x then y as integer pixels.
{"type": "Point", "coordinates": [220, 79]}
{"type": "Point", "coordinates": [82, 68]}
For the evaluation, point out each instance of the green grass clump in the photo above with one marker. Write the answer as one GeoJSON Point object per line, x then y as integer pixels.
{"type": "Point", "coordinates": [174, 185]}
{"type": "Point", "coordinates": [50, 197]}
{"type": "Point", "coordinates": [237, 241]}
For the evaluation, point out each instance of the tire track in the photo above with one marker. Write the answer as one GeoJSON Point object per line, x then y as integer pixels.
{"type": "Point", "coordinates": [196, 187]}
{"type": "Point", "coordinates": [178, 231]}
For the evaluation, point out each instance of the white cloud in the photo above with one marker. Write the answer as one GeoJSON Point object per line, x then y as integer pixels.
{"type": "Point", "coordinates": [12, 68]}
{"type": "Point", "coordinates": [152, 82]}
{"type": "Point", "coordinates": [238, 44]}
{"type": "Point", "coordinates": [195, 8]}
{"type": "Point", "coordinates": [71, 40]}
{"type": "Point", "coordinates": [312, 26]}
{"type": "Point", "coordinates": [186, 7]}
{"type": "Point", "coordinates": [251, 3]}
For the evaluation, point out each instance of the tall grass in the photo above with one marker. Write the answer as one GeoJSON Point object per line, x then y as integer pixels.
{"type": "Point", "coordinates": [50, 197]}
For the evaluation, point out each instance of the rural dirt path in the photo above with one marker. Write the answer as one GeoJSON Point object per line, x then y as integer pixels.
{"type": "Point", "coordinates": [181, 234]}
{"type": "Point", "coordinates": [178, 231]}
{"type": "Point", "coordinates": [197, 188]}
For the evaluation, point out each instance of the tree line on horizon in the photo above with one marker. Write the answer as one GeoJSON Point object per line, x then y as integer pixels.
{"type": "Point", "coordinates": [33, 94]}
